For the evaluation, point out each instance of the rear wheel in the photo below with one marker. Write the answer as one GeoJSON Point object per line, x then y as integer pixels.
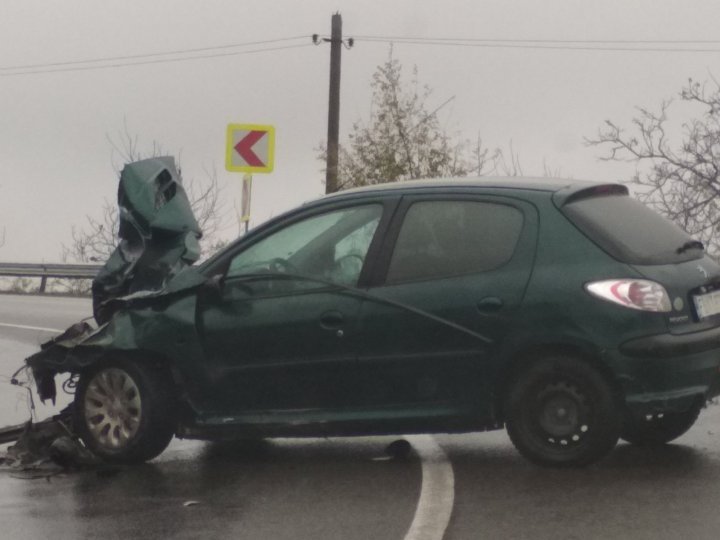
{"type": "Point", "coordinates": [123, 411]}
{"type": "Point", "coordinates": [660, 429]}
{"type": "Point", "coordinates": [560, 411]}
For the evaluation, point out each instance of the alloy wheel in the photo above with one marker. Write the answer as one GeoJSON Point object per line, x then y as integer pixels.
{"type": "Point", "coordinates": [113, 408]}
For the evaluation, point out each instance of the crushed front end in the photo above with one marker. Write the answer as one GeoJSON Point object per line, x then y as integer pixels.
{"type": "Point", "coordinates": [157, 239]}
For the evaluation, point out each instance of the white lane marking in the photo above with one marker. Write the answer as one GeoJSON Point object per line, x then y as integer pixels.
{"type": "Point", "coordinates": [437, 492]}
{"type": "Point", "coordinates": [24, 327]}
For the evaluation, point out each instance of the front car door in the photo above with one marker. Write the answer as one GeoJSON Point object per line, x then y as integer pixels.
{"type": "Point", "coordinates": [280, 334]}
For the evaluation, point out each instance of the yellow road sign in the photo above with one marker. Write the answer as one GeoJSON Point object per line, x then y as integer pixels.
{"type": "Point", "coordinates": [250, 148]}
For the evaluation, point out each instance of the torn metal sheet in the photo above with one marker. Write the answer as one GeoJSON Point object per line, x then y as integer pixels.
{"type": "Point", "coordinates": [44, 445]}
{"type": "Point", "coordinates": [158, 233]}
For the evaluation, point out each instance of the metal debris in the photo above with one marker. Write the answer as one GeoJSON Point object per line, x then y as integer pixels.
{"type": "Point", "coordinates": [48, 446]}
{"type": "Point", "coordinates": [399, 449]}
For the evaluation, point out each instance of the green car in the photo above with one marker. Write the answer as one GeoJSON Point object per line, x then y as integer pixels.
{"type": "Point", "coordinates": [567, 312]}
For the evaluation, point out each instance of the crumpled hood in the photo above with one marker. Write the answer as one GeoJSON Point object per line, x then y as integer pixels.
{"type": "Point", "coordinates": [158, 233]}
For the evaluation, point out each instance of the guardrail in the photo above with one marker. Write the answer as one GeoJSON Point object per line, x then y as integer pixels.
{"type": "Point", "coordinates": [45, 271]}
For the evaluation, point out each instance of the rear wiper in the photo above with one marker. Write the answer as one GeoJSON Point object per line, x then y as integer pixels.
{"type": "Point", "coordinates": [690, 244]}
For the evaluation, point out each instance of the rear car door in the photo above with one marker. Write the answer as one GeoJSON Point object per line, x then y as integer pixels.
{"type": "Point", "coordinates": [451, 276]}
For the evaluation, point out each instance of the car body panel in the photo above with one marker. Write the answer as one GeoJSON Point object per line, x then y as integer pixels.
{"type": "Point", "coordinates": [297, 352]}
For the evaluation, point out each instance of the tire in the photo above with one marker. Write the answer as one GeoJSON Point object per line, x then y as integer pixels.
{"type": "Point", "coordinates": [659, 431]}
{"type": "Point", "coordinates": [562, 412]}
{"type": "Point", "coordinates": [124, 411]}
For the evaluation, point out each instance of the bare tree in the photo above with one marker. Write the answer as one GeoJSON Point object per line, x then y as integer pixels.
{"type": "Point", "coordinates": [96, 239]}
{"type": "Point", "coordinates": [679, 178]}
{"type": "Point", "coordinates": [507, 164]}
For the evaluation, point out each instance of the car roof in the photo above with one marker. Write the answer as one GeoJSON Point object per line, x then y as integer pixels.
{"type": "Point", "coordinates": [567, 186]}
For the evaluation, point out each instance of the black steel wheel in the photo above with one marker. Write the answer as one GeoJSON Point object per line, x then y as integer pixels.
{"type": "Point", "coordinates": [659, 429]}
{"type": "Point", "coordinates": [560, 411]}
{"type": "Point", "coordinates": [123, 410]}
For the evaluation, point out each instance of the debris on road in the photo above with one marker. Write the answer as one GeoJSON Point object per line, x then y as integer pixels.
{"type": "Point", "coordinates": [399, 449]}
{"type": "Point", "coordinates": [47, 446]}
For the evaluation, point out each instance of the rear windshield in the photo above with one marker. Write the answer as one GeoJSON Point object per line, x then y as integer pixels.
{"type": "Point", "coordinates": [631, 232]}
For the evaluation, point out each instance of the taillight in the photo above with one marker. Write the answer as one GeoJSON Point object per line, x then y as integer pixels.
{"type": "Point", "coordinates": [632, 293]}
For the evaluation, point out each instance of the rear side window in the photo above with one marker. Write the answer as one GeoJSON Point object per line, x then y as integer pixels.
{"type": "Point", "coordinates": [450, 238]}
{"type": "Point", "coordinates": [630, 231]}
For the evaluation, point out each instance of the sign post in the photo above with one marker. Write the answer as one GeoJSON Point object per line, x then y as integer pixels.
{"type": "Point", "coordinates": [250, 148]}
{"type": "Point", "coordinates": [245, 200]}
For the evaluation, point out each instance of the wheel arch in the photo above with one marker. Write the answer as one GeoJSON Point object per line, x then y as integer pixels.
{"type": "Point", "coordinates": [94, 357]}
{"type": "Point", "coordinates": [149, 357]}
{"type": "Point", "coordinates": [523, 358]}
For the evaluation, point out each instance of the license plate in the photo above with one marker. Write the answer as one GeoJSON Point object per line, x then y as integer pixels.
{"type": "Point", "coordinates": [708, 304]}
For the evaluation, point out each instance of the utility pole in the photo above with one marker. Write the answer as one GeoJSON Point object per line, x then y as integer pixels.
{"type": "Point", "coordinates": [336, 44]}
{"type": "Point", "coordinates": [333, 142]}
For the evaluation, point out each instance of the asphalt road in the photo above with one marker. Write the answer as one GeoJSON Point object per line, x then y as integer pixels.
{"type": "Point", "coordinates": [347, 488]}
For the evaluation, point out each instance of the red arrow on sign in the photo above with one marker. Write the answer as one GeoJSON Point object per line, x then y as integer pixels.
{"type": "Point", "coordinates": [244, 148]}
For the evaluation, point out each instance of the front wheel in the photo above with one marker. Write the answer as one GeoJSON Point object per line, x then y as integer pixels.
{"type": "Point", "coordinates": [660, 429]}
{"type": "Point", "coordinates": [560, 411]}
{"type": "Point", "coordinates": [123, 411]}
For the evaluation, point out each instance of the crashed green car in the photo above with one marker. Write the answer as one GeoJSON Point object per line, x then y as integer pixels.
{"type": "Point", "coordinates": [566, 311]}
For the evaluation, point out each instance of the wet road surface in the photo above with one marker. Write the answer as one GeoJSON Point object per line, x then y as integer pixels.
{"type": "Point", "coordinates": [346, 489]}
{"type": "Point", "coordinates": [635, 493]}
{"type": "Point", "coordinates": [284, 490]}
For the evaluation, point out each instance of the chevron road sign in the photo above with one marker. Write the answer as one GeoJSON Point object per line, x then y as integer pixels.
{"type": "Point", "coordinates": [250, 148]}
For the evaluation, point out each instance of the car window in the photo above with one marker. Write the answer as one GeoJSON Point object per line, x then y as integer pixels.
{"type": "Point", "coordinates": [630, 231]}
{"type": "Point", "coordinates": [330, 247]}
{"type": "Point", "coordinates": [450, 238]}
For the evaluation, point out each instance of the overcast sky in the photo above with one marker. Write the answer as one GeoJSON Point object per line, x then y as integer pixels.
{"type": "Point", "coordinates": [56, 164]}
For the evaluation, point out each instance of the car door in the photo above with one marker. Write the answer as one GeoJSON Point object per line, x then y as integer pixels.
{"type": "Point", "coordinates": [280, 330]}
{"type": "Point", "coordinates": [452, 273]}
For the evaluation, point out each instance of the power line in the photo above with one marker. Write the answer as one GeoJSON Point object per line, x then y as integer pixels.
{"type": "Point", "coordinates": [149, 55]}
{"type": "Point", "coordinates": [538, 45]}
{"type": "Point", "coordinates": [181, 55]}
{"type": "Point", "coordinates": [557, 41]}
{"type": "Point", "coordinates": [147, 62]}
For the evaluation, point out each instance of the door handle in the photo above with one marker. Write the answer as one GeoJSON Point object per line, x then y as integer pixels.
{"type": "Point", "coordinates": [331, 320]}
{"type": "Point", "coordinates": [490, 304]}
